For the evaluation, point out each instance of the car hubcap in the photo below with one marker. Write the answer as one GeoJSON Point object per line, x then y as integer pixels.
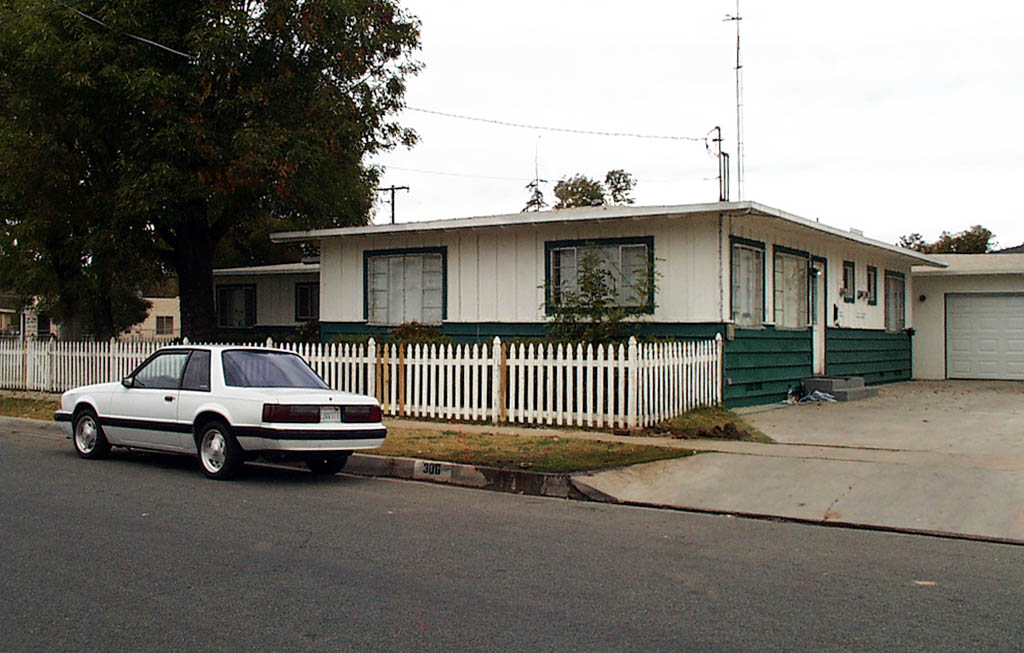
{"type": "Point", "coordinates": [85, 435]}
{"type": "Point", "coordinates": [214, 450]}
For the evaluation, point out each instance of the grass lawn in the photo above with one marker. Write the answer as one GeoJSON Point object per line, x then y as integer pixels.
{"type": "Point", "coordinates": [539, 454]}
{"type": "Point", "coordinates": [28, 408]}
{"type": "Point", "coordinates": [710, 422]}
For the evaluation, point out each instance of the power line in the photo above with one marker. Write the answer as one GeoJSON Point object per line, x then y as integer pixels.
{"type": "Point", "coordinates": [133, 36]}
{"type": "Point", "coordinates": [568, 130]}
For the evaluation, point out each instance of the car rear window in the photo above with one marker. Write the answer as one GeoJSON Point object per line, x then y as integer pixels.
{"type": "Point", "coordinates": [268, 369]}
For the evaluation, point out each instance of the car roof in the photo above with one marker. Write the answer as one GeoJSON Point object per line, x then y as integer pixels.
{"type": "Point", "coordinates": [222, 348]}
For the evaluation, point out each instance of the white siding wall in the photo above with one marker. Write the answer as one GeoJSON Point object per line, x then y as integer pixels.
{"type": "Point", "coordinates": [497, 275]}
{"type": "Point", "coordinates": [275, 295]}
{"type": "Point", "coordinates": [930, 337]}
{"type": "Point", "coordinates": [859, 314]}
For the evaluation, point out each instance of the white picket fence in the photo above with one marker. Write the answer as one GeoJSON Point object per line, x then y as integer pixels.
{"type": "Point", "coordinates": [621, 386]}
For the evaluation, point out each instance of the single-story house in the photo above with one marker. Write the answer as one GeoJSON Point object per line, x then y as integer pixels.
{"type": "Point", "coordinates": [970, 317]}
{"type": "Point", "coordinates": [792, 297]}
{"type": "Point", "coordinates": [266, 300]}
{"type": "Point", "coordinates": [163, 321]}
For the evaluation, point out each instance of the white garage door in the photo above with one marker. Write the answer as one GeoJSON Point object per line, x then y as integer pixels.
{"type": "Point", "coordinates": [985, 336]}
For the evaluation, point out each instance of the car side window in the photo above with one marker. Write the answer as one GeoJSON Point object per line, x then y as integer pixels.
{"type": "Point", "coordinates": [162, 372]}
{"type": "Point", "coordinates": [197, 372]}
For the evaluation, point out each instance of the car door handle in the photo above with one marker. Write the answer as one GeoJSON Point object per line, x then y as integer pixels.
{"type": "Point", "coordinates": [169, 398]}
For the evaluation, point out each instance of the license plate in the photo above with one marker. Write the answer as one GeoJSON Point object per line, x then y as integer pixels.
{"type": "Point", "coordinates": [330, 413]}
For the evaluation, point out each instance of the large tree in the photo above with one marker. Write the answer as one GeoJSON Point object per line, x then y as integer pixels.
{"type": "Point", "coordinates": [231, 118]}
{"type": "Point", "coordinates": [580, 190]}
{"type": "Point", "coordinates": [976, 240]}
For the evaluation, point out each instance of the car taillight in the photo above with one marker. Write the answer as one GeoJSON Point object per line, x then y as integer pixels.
{"type": "Point", "coordinates": [367, 413]}
{"type": "Point", "coordinates": [291, 413]}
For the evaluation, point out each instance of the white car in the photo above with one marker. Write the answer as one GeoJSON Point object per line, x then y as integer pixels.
{"type": "Point", "coordinates": [226, 404]}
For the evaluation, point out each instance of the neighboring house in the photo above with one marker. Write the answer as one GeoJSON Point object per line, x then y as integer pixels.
{"type": "Point", "coordinates": [970, 317]}
{"type": "Point", "coordinates": [793, 297]}
{"type": "Point", "coordinates": [1019, 249]}
{"type": "Point", "coordinates": [163, 322]}
{"type": "Point", "coordinates": [267, 300]}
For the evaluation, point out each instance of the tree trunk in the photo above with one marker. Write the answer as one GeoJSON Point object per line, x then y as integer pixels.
{"type": "Point", "coordinates": [193, 257]}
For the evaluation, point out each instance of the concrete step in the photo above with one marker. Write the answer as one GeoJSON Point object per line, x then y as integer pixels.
{"type": "Point", "coordinates": [854, 394]}
{"type": "Point", "coordinates": [833, 384]}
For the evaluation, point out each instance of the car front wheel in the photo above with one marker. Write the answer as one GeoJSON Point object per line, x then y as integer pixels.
{"type": "Point", "coordinates": [327, 464]}
{"type": "Point", "coordinates": [90, 442]}
{"type": "Point", "coordinates": [219, 453]}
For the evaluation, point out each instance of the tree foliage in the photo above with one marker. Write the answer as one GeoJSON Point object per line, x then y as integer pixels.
{"type": "Point", "coordinates": [144, 160]}
{"type": "Point", "coordinates": [536, 201]}
{"type": "Point", "coordinates": [580, 190]}
{"type": "Point", "coordinates": [592, 311]}
{"type": "Point", "coordinates": [976, 240]}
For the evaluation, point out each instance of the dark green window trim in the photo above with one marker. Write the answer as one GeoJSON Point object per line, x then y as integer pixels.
{"type": "Point", "coordinates": [872, 285]}
{"type": "Point", "coordinates": [753, 244]}
{"type": "Point", "coordinates": [894, 273]}
{"type": "Point", "coordinates": [824, 298]}
{"type": "Point", "coordinates": [850, 296]}
{"type": "Point", "coordinates": [236, 286]}
{"type": "Point", "coordinates": [550, 245]}
{"type": "Point", "coordinates": [799, 253]}
{"type": "Point", "coordinates": [313, 286]}
{"type": "Point", "coordinates": [443, 251]}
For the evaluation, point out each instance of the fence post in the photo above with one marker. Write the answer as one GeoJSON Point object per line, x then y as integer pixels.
{"type": "Point", "coordinates": [633, 390]}
{"type": "Point", "coordinates": [497, 381]}
{"type": "Point", "coordinates": [184, 340]}
{"type": "Point", "coordinates": [112, 360]}
{"type": "Point", "coordinates": [720, 381]}
{"type": "Point", "coordinates": [270, 342]}
{"type": "Point", "coordinates": [371, 368]}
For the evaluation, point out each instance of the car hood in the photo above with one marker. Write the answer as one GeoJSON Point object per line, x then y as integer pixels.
{"type": "Point", "coordinates": [96, 388]}
{"type": "Point", "coordinates": [310, 396]}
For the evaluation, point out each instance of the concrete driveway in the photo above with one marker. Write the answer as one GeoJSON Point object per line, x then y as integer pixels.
{"type": "Point", "coordinates": [952, 417]}
{"type": "Point", "coordinates": [931, 457]}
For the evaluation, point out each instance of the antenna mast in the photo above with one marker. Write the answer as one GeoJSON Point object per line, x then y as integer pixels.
{"type": "Point", "coordinates": [739, 103]}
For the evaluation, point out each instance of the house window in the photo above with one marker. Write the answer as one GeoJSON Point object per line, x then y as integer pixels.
{"type": "Point", "coordinates": [236, 306]}
{"type": "Point", "coordinates": [872, 285]}
{"type": "Point", "coordinates": [895, 301]}
{"type": "Point", "coordinates": [849, 289]}
{"type": "Point", "coordinates": [307, 302]}
{"type": "Point", "coordinates": [164, 325]}
{"type": "Point", "coordinates": [405, 286]}
{"type": "Point", "coordinates": [625, 262]}
{"type": "Point", "coordinates": [748, 284]}
{"type": "Point", "coordinates": [43, 325]}
{"type": "Point", "coordinates": [791, 287]}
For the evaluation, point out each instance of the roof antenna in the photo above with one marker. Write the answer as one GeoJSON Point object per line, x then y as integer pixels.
{"type": "Point", "coordinates": [736, 18]}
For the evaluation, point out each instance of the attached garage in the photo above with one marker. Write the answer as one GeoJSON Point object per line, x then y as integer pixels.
{"type": "Point", "coordinates": [985, 336]}
{"type": "Point", "coordinates": [969, 318]}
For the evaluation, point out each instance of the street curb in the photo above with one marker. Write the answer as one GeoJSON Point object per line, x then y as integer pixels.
{"type": "Point", "coordinates": [559, 486]}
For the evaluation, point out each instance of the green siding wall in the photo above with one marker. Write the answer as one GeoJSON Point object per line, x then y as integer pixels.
{"type": "Point", "coordinates": [485, 331]}
{"type": "Point", "coordinates": [761, 365]}
{"type": "Point", "coordinates": [878, 356]}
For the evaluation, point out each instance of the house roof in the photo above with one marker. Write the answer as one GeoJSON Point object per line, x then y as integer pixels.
{"type": "Point", "coordinates": [601, 213]}
{"type": "Point", "coordinates": [280, 268]}
{"type": "Point", "coordinates": [1019, 249]}
{"type": "Point", "coordinates": [964, 264]}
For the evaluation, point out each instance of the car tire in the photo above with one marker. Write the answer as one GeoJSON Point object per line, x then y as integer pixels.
{"type": "Point", "coordinates": [220, 456]}
{"type": "Point", "coordinates": [327, 464]}
{"type": "Point", "coordinates": [88, 437]}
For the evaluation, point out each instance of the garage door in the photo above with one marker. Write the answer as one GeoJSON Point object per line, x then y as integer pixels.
{"type": "Point", "coordinates": [985, 336]}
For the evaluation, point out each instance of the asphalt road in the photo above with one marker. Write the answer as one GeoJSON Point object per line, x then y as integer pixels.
{"type": "Point", "coordinates": [142, 552]}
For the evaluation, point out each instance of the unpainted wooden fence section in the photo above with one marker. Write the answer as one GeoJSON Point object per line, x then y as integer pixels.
{"type": "Point", "coordinates": [619, 386]}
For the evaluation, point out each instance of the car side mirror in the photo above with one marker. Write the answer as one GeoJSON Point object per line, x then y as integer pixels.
{"type": "Point", "coordinates": [128, 382]}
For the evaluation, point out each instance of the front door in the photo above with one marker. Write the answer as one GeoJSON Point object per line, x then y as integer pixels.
{"type": "Point", "coordinates": [819, 309]}
{"type": "Point", "coordinates": [146, 413]}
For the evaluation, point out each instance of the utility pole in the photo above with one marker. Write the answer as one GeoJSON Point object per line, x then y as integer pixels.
{"type": "Point", "coordinates": [392, 189]}
{"type": "Point", "coordinates": [739, 103]}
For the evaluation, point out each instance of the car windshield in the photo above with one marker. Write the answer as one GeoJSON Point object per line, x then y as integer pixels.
{"type": "Point", "coordinates": [268, 369]}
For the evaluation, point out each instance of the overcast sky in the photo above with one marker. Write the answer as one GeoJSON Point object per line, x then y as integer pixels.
{"type": "Point", "coordinates": [891, 117]}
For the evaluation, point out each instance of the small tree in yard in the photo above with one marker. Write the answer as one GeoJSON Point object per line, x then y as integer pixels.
{"type": "Point", "coordinates": [591, 312]}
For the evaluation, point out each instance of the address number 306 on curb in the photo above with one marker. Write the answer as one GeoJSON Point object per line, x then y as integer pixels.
{"type": "Point", "coordinates": [431, 471]}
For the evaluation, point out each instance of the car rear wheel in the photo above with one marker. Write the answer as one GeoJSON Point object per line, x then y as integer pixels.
{"type": "Point", "coordinates": [327, 464]}
{"type": "Point", "coordinates": [90, 442]}
{"type": "Point", "coordinates": [219, 453]}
